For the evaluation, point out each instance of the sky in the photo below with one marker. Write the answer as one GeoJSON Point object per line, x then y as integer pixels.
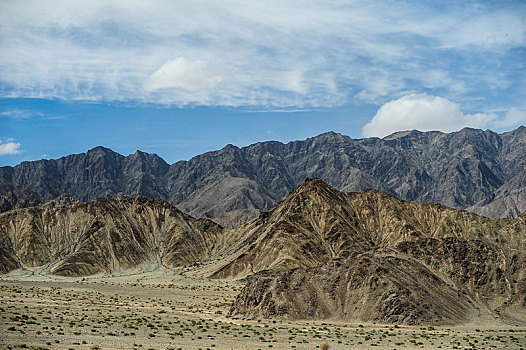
{"type": "Point", "coordinates": [179, 78]}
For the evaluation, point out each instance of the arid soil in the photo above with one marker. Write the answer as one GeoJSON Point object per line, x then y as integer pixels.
{"type": "Point", "coordinates": [170, 309]}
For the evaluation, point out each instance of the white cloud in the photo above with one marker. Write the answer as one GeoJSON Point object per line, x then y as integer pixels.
{"type": "Point", "coordinates": [488, 29]}
{"type": "Point", "coordinates": [182, 73]}
{"type": "Point", "coordinates": [425, 113]}
{"type": "Point", "coordinates": [262, 53]}
{"type": "Point", "coordinates": [514, 117]}
{"type": "Point", "coordinates": [367, 97]}
{"type": "Point", "coordinates": [9, 147]}
{"type": "Point", "coordinates": [20, 114]}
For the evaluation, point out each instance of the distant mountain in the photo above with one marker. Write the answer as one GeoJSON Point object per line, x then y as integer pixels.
{"type": "Point", "coordinates": [104, 236]}
{"type": "Point", "coordinates": [368, 256]}
{"type": "Point", "coordinates": [481, 171]}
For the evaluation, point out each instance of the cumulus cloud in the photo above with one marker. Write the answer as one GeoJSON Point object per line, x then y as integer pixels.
{"type": "Point", "coordinates": [425, 113]}
{"type": "Point", "coordinates": [9, 147]}
{"type": "Point", "coordinates": [182, 73]}
{"type": "Point", "coordinates": [288, 54]}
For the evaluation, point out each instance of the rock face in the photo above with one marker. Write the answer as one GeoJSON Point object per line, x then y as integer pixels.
{"type": "Point", "coordinates": [71, 238]}
{"type": "Point", "coordinates": [9, 199]}
{"type": "Point", "coordinates": [317, 223]}
{"type": "Point", "coordinates": [372, 257]}
{"type": "Point", "coordinates": [481, 171]}
{"type": "Point", "coordinates": [380, 287]}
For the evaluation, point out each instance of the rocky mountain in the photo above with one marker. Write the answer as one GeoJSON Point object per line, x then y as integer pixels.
{"type": "Point", "coordinates": [9, 199]}
{"type": "Point", "coordinates": [316, 223]}
{"type": "Point", "coordinates": [372, 257]}
{"type": "Point", "coordinates": [104, 236]}
{"type": "Point", "coordinates": [481, 171]}
{"type": "Point", "coordinates": [320, 253]}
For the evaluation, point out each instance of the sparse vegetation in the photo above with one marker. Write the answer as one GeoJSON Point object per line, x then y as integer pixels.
{"type": "Point", "coordinates": [117, 310]}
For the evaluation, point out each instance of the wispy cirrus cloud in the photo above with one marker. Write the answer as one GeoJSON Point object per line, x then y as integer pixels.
{"type": "Point", "coordinates": [20, 114]}
{"type": "Point", "coordinates": [261, 53]}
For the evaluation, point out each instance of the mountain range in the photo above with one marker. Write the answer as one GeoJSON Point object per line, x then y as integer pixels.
{"type": "Point", "coordinates": [319, 254]}
{"type": "Point", "coordinates": [481, 171]}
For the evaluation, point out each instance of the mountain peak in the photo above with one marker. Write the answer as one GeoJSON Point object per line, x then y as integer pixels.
{"type": "Point", "coordinates": [314, 181]}
{"type": "Point", "coordinates": [230, 148]}
{"type": "Point", "coordinates": [331, 135]}
{"type": "Point", "coordinates": [401, 134]}
{"type": "Point", "coordinates": [313, 185]}
{"type": "Point", "coordinates": [100, 150]}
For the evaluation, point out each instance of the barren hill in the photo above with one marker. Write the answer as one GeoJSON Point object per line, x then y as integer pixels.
{"type": "Point", "coordinates": [372, 257]}
{"type": "Point", "coordinates": [316, 223]}
{"type": "Point", "coordinates": [71, 238]}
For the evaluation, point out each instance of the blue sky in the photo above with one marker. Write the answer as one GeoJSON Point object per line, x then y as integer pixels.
{"type": "Point", "coordinates": [179, 78]}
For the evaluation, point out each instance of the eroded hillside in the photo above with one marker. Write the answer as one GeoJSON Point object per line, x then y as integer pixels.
{"type": "Point", "coordinates": [369, 256]}
{"type": "Point", "coordinates": [104, 236]}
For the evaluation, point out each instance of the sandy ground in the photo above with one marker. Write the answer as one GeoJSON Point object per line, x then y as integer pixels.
{"type": "Point", "coordinates": [166, 309]}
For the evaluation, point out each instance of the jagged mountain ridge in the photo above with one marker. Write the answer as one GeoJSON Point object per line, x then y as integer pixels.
{"type": "Point", "coordinates": [372, 257]}
{"type": "Point", "coordinates": [481, 171]}
{"type": "Point", "coordinates": [104, 236]}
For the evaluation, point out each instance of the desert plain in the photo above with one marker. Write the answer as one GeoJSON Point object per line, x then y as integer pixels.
{"type": "Point", "coordinates": [178, 309]}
